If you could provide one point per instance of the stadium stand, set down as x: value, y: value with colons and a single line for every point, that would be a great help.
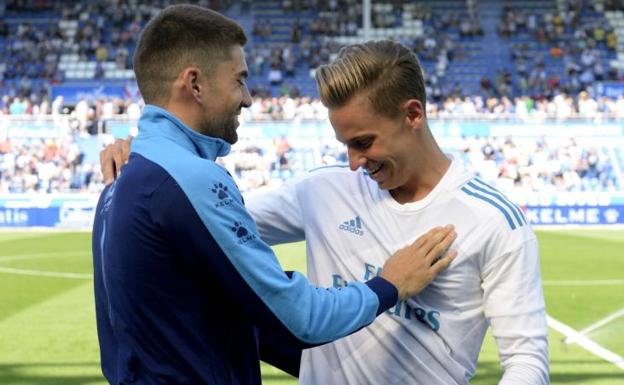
x: 488, y: 48
x: 65, y: 73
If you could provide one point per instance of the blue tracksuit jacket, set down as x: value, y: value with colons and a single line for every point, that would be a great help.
x: 186, y: 291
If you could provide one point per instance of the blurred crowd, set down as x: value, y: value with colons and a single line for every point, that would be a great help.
x: 574, y: 43
x: 91, y: 30
x: 344, y: 17
x: 106, y: 31
x: 98, y: 31
x: 560, y: 107
x: 33, y: 165
x: 531, y: 165
x: 573, y: 38
x: 91, y: 116
x: 311, y: 39
x: 86, y: 117
x: 513, y: 165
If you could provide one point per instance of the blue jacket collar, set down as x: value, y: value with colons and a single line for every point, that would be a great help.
x: 156, y: 121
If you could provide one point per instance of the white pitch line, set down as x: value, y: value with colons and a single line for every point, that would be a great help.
x: 586, y: 343
x: 590, y: 282
x: 38, y: 273
x: 20, y: 257
x: 596, y: 325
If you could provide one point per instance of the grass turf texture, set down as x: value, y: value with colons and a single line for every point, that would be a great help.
x: 47, y: 325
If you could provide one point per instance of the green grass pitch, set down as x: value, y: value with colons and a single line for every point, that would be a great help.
x: 47, y: 324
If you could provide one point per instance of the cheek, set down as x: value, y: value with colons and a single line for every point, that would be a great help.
x: 239, y: 95
x: 397, y: 166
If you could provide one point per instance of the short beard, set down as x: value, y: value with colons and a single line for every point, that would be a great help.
x: 222, y: 129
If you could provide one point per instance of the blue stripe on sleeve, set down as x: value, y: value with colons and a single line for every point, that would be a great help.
x: 500, y: 199
x: 516, y: 208
x: 490, y: 201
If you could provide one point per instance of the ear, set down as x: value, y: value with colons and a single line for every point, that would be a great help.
x: 192, y: 86
x: 414, y: 112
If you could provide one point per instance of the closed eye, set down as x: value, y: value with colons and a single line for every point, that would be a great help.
x: 361, y: 143
x: 241, y: 77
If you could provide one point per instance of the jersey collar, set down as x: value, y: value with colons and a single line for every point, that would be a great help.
x: 156, y: 121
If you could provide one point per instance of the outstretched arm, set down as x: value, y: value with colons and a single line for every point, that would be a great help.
x: 277, y: 214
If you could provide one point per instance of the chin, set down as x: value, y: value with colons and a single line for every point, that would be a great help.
x: 232, y: 139
x: 389, y: 184
x: 384, y: 185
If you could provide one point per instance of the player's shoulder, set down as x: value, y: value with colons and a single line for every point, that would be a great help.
x: 341, y: 175
x: 334, y: 169
x: 335, y: 180
x: 338, y: 173
x: 488, y: 204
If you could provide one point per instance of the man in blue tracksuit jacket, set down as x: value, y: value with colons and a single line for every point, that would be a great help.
x: 186, y: 291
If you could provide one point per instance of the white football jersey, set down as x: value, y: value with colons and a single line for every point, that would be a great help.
x: 352, y: 227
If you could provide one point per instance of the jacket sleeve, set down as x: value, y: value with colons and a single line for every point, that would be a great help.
x: 108, y: 342
x: 274, y: 351
x: 213, y: 227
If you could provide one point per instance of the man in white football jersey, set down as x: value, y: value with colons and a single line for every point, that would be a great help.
x: 399, y: 185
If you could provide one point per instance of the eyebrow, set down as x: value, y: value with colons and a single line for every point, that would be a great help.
x: 243, y: 74
x: 359, y: 138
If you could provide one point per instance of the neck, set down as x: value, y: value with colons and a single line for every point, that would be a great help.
x: 426, y: 174
x: 184, y: 111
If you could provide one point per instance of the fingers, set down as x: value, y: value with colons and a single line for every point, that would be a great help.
x: 443, y: 262
x: 107, y: 165
x: 125, y: 146
x: 432, y: 238
x: 442, y: 244
x: 112, y: 159
x: 119, y: 156
x: 420, y: 242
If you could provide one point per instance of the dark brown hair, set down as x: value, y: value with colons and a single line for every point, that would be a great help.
x: 178, y: 37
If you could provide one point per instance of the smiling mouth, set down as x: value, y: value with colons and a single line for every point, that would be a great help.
x: 375, y: 170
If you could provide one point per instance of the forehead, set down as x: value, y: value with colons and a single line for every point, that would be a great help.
x: 357, y: 108
x: 356, y: 118
x: 236, y: 62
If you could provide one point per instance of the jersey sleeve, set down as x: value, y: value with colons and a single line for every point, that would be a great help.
x: 217, y: 231
x: 514, y: 306
x: 523, y: 353
x: 277, y: 214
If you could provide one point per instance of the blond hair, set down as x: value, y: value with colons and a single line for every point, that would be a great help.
x: 387, y: 70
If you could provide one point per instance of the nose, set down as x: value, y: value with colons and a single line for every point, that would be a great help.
x: 356, y: 158
x: 246, y: 102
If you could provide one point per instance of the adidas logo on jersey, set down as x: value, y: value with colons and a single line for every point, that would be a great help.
x: 353, y: 226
